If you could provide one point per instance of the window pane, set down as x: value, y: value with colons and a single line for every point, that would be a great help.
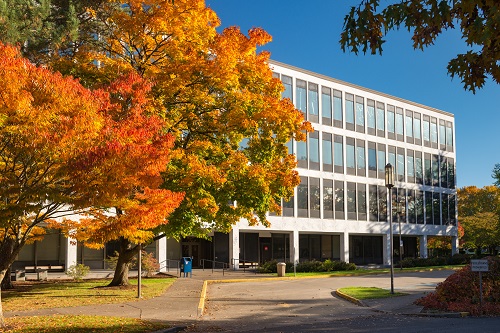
x: 327, y: 151
x: 349, y: 109
x: 434, y: 133
x: 360, y: 158
x: 401, y: 165
x: 313, y: 99
x: 409, y: 126
x: 338, y: 154
x: 410, y: 167
x: 351, y: 198
x: 287, y: 82
x: 449, y: 136
x: 372, y: 159
x: 418, y: 169
x: 417, y: 133
x: 302, y: 196
x: 427, y: 131
x: 381, y: 160
x: 373, y: 202
x: 399, y: 124
x: 301, y: 99
x: 390, y: 122
x: 370, y: 116
x: 328, y: 198
x: 360, y: 114
x: 326, y: 105
x: 337, y: 108
x: 314, y: 199
x: 301, y: 151
x: 339, y: 200
x: 350, y: 157
x: 313, y: 149
x: 380, y: 119
x: 442, y: 134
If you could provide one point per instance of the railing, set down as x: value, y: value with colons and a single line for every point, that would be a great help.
x: 214, y: 264
x: 245, y: 263
x: 171, y: 263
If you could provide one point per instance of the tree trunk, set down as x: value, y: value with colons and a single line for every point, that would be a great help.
x: 7, y: 280
x: 125, y: 256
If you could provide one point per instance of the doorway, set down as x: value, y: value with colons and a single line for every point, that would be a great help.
x: 192, y: 250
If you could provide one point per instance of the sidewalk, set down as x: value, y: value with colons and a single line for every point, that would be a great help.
x: 179, y: 305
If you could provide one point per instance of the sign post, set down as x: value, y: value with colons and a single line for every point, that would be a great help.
x: 479, y: 265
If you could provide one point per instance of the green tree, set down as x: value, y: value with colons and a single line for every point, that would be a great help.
x: 479, y: 215
x: 496, y: 174
x: 367, y: 24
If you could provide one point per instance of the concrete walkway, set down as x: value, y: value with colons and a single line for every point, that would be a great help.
x: 179, y: 305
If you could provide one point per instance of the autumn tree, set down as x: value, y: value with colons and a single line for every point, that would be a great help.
x: 124, y: 170
x: 46, y: 122
x: 215, y: 94
x: 366, y: 26
x: 218, y: 99
x: 479, y: 215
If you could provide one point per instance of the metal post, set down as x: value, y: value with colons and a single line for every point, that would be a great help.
x: 400, y: 240
x: 139, y: 272
x: 392, y: 241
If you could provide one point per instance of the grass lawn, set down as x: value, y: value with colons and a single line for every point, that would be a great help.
x: 368, y: 292
x: 52, y: 294
x: 79, y: 324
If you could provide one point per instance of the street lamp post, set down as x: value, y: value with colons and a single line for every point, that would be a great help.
x: 389, y: 183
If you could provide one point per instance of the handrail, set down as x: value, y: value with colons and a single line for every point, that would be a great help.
x: 177, y: 265
x: 253, y: 264
x: 225, y: 265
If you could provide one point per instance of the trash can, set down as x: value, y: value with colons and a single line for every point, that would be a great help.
x: 281, y: 268
x: 187, y: 266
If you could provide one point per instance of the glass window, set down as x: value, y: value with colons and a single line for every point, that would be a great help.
x: 314, y: 197
x: 418, y: 168
x: 302, y: 151
x: 434, y: 133
x: 326, y: 106
x: 361, y: 200
x: 289, y: 145
x: 337, y: 108
x: 360, y: 112
x: 370, y: 115
x: 327, y: 152
x: 381, y: 160
x: 301, y: 98
x: 288, y: 207
x: 391, y: 123
x: 392, y: 156
x: 416, y: 128
x: 313, y: 106
x: 399, y: 123
x: 442, y: 132
x: 373, y: 202
x: 360, y: 155
x: 351, y: 201
x: 449, y: 134
x: 435, y: 170
x: 382, y: 203
x: 287, y: 83
x: 350, y: 155
x: 372, y: 159
x: 427, y: 170
x: 409, y: 125
x: 339, y: 200
x: 314, y: 151
x: 338, y: 151
x: 436, y: 212
x: 380, y: 117
x: 410, y: 166
x: 349, y: 109
x: 427, y: 130
x: 302, y: 197
x: 328, y: 199
x: 400, y: 168
x: 451, y: 173
x: 419, y: 206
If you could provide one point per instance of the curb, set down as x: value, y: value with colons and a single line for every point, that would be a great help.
x: 349, y: 298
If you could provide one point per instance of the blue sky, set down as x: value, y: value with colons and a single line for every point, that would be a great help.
x: 306, y: 34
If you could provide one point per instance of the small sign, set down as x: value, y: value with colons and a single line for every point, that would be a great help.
x: 479, y: 265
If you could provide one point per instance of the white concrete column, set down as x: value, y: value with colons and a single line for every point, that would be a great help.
x: 161, y: 253
x: 344, y: 247
x: 454, y: 245
x: 294, y: 247
x: 234, y: 248
x: 423, y: 246
x: 71, y: 253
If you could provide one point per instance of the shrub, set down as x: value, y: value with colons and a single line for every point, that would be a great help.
x: 460, y: 292
x: 308, y: 266
x: 149, y: 263
x: 78, y: 272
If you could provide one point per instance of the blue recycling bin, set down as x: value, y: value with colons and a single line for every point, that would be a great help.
x: 187, y: 266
